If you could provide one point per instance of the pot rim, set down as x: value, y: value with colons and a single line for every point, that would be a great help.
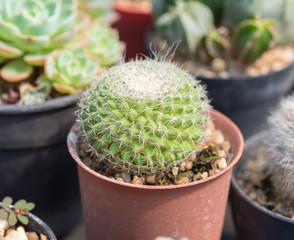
x: 233, y: 128
x: 244, y: 196
x: 49, y: 105
x: 246, y: 78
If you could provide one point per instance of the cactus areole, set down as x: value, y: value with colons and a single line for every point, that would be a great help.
x: 144, y: 115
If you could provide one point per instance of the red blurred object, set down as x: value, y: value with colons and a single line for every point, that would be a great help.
x: 135, y: 18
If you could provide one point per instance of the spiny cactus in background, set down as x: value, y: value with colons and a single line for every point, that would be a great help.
x: 144, y: 115
x: 215, y: 44
x: 16, y: 212
x: 280, y: 142
x: 104, y: 44
x: 30, y: 32
x: 280, y: 11
x: 252, y: 38
x: 70, y: 71
x: 187, y: 21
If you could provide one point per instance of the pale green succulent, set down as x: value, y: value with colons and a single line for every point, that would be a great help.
x: 144, y: 114
x: 31, y: 30
x: 70, y: 71
x: 104, y: 44
x: 31, y: 95
x: 96, y: 8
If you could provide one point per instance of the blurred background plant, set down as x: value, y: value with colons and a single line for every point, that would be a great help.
x: 227, y: 38
x: 40, y: 47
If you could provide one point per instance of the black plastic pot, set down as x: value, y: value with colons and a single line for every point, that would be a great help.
x: 37, y: 225
x: 246, y: 100
x: 253, y: 221
x: 34, y: 161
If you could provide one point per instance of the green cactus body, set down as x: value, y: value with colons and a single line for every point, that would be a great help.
x: 70, y: 71
x: 215, y: 44
x: 253, y: 37
x: 186, y: 21
x: 280, y: 11
x: 280, y: 142
x: 144, y: 115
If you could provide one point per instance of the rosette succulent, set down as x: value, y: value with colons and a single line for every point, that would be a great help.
x: 30, y: 32
x: 96, y: 8
x: 104, y: 44
x: 70, y: 71
x: 144, y: 115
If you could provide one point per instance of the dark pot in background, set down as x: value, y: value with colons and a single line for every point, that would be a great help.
x: 132, y: 26
x: 118, y: 210
x: 37, y: 225
x: 34, y: 161
x: 247, y: 100
x: 253, y: 221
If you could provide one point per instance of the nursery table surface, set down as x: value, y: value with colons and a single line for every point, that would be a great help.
x: 78, y: 233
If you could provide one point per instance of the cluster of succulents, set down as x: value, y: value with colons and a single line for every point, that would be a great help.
x: 253, y: 27
x: 279, y: 143
x: 144, y: 115
x: 39, y: 42
x: 15, y: 212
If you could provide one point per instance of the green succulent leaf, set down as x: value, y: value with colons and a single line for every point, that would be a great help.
x: 29, y: 206
x: 3, y: 214
x: 20, y: 204
x: 8, y: 50
x: 12, y: 220
x: 16, y: 70
x: 23, y: 219
x: 6, y: 202
x: 39, y: 58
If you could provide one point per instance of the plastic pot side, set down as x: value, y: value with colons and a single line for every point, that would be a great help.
x: 117, y: 210
x: 252, y: 221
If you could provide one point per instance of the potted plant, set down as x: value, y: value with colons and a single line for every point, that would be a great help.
x: 44, y: 67
x: 134, y: 19
x: 262, y: 185
x: 150, y: 160
x: 247, y: 66
x: 16, y: 222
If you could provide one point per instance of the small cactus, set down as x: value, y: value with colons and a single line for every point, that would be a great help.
x: 253, y: 37
x: 16, y: 212
x: 280, y: 142
x: 144, y: 115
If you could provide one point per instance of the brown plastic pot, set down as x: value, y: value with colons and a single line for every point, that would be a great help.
x: 117, y: 210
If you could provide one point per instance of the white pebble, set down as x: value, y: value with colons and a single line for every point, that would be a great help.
x: 218, y: 137
x: 222, y: 164
x: 204, y: 175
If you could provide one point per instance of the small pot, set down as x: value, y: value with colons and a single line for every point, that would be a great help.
x: 253, y: 221
x: 37, y: 225
x: 34, y: 161
x: 132, y: 25
x: 118, y: 210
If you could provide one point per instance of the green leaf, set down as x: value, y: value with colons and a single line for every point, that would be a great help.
x: 8, y: 50
x: 31, y: 43
x: 20, y: 204
x: 3, y: 214
x: 29, y: 206
x: 23, y: 219
x: 39, y: 58
x: 12, y: 220
x: 16, y: 70
x: 7, y: 201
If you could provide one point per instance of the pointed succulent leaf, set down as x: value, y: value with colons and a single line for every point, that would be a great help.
x: 39, y: 58
x: 16, y: 70
x: 8, y: 50
x: 20, y: 204
x: 23, y: 219
x: 3, y: 214
x: 12, y: 220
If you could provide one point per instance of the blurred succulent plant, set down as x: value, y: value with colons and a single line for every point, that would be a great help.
x: 280, y: 11
x: 31, y: 30
x: 31, y: 95
x: 70, y: 71
x: 15, y: 212
x: 253, y: 37
x: 104, y: 44
x: 188, y: 21
x: 279, y: 142
x: 96, y: 8
x: 144, y: 115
